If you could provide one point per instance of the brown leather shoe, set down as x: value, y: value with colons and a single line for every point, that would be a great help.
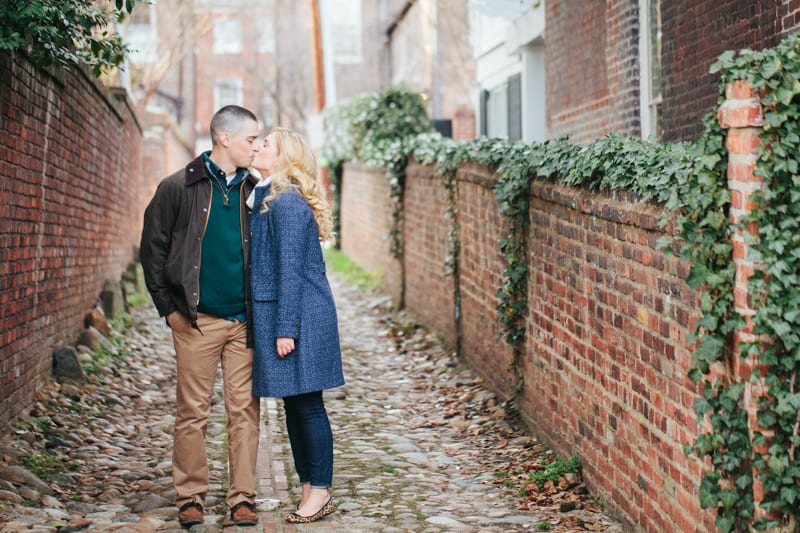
x: 244, y: 514
x: 190, y: 514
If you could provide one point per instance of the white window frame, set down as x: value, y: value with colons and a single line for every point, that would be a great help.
x: 347, y: 28
x: 221, y: 85
x: 227, y: 36
x: 649, y: 98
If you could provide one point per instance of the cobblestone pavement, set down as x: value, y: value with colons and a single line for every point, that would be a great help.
x: 420, y: 446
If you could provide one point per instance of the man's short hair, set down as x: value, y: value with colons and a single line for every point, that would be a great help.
x: 230, y: 119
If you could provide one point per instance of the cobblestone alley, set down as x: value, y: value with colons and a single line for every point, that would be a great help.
x: 420, y: 445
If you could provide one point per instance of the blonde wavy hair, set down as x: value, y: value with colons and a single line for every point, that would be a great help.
x: 296, y: 168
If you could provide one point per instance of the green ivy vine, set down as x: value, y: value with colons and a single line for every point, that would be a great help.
x: 649, y: 170
x: 704, y: 227
x: 375, y: 128
x: 775, y: 75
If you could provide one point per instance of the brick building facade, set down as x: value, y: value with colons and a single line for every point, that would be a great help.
x: 695, y: 34
x: 594, y: 61
x: 237, y: 62
x: 592, y: 79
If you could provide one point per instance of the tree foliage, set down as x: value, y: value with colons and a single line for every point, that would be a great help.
x: 65, y: 33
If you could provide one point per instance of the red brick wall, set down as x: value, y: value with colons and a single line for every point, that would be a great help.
x: 694, y: 35
x: 592, y: 68
x: 481, y: 268
x: 70, y: 213
x: 365, y: 221
x: 429, y: 292
x: 606, y: 357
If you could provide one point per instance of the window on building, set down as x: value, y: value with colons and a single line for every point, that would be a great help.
x: 228, y: 91
x: 346, y: 30
x: 497, y: 112
x: 501, y: 109
x: 227, y: 36
x: 266, y: 37
x: 140, y: 35
x: 650, y: 85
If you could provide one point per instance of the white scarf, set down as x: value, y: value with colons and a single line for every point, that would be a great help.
x: 262, y: 182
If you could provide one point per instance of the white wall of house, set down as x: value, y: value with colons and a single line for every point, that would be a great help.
x: 508, y: 46
x: 534, y: 118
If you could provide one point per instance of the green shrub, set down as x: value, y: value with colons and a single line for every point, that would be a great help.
x: 375, y: 128
x: 360, y: 128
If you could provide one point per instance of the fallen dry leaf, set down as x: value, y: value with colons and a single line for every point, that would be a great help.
x: 593, y: 526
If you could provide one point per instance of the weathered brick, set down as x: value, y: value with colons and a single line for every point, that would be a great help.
x: 742, y: 141
x: 365, y: 223
x: 597, y: 93
x: 740, y: 113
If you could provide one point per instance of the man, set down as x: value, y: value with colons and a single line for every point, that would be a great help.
x: 195, y: 256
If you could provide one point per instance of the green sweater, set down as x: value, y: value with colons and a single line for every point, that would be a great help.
x: 222, y: 258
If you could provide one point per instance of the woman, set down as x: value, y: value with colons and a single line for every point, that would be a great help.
x: 296, y: 352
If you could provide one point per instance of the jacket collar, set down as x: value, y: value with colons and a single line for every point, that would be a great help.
x: 196, y: 171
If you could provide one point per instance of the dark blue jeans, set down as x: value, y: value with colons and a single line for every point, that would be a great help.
x: 311, y: 438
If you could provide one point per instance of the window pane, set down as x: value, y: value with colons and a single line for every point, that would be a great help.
x: 498, y: 112
x: 650, y: 81
x: 345, y: 18
x: 227, y: 92
x: 655, y: 48
x: 266, y: 38
x: 227, y: 36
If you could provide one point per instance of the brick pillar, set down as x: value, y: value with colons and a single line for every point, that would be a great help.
x: 742, y: 116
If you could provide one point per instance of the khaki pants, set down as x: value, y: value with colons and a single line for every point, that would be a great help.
x: 197, y: 358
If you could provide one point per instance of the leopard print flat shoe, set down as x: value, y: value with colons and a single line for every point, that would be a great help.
x: 328, y: 508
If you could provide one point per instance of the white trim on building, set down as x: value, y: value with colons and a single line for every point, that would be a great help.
x: 508, y: 46
x: 650, y: 93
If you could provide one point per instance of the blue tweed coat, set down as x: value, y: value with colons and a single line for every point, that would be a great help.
x: 291, y: 298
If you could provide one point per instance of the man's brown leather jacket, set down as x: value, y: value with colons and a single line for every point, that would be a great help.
x: 172, y: 235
